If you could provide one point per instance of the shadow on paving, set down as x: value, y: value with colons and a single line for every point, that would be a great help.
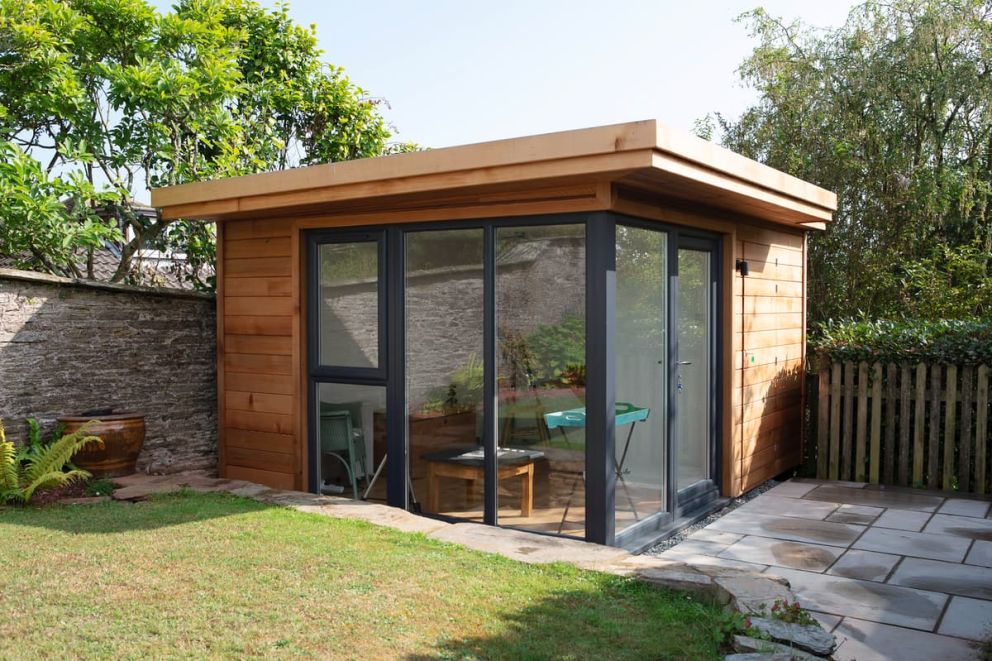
x: 159, y: 511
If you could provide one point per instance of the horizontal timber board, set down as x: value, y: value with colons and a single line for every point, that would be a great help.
x: 771, y: 338
x: 774, y: 254
x: 769, y: 356
x: 278, y: 384
x: 257, y: 266
x: 269, y: 478
x: 259, y: 286
x: 262, y: 460
x: 754, y: 477
x: 259, y: 402
x: 765, y: 407
x: 770, y: 237
x: 258, y: 364
x: 253, y: 421
x: 260, y: 306
x: 761, y: 373
x: 787, y: 382
x: 784, y: 436
x: 760, y: 287
x: 271, y: 345
x: 275, y: 246
x: 767, y: 322
x: 256, y: 325
x: 790, y: 417
x: 768, y: 304
x: 260, y: 440
x: 235, y: 230
x: 771, y: 271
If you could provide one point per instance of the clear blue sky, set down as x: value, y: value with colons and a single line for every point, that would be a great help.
x: 460, y: 71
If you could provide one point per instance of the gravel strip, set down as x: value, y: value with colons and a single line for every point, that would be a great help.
x: 682, y: 534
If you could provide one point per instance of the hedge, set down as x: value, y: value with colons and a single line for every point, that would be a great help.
x: 947, y: 341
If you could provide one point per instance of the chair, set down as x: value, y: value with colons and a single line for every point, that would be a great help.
x: 340, y: 439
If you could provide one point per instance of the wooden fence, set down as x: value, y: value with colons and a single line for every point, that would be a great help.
x: 916, y: 425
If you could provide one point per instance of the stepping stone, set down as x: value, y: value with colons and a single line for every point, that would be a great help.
x: 864, y: 565
x: 960, y: 526
x: 964, y: 507
x: 527, y: 547
x: 768, y: 504
x: 866, y: 641
x: 980, y: 554
x: 790, y: 489
x: 875, y: 498
x: 916, y: 544
x: 879, y: 602
x: 789, y: 528
x: 902, y: 520
x: 967, y: 618
x: 809, y: 638
x: 861, y: 515
x: 783, y: 553
x: 965, y: 580
x: 755, y: 648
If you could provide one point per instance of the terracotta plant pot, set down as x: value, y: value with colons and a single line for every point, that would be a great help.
x: 122, y: 434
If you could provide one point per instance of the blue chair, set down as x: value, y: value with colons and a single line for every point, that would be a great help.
x: 339, y: 438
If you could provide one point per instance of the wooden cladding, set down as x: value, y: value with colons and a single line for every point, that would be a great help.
x: 258, y: 368
x: 913, y: 425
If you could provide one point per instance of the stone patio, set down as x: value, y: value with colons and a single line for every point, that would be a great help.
x: 893, y: 573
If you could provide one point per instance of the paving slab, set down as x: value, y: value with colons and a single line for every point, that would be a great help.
x: 864, y: 565
x: 701, y: 547
x: 980, y: 554
x: 903, y: 520
x: 528, y: 547
x: 675, y: 554
x: 870, y: 641
x: 875, y: 498
x: 782, y: 553
x: 960, y: 526
x: 878, y: 602
x: 804, y: 509
x: 965, y: 507
x: 950, y: 577
x: 710, y: 535
x: 835, y: 483
x: 916, y: 544
x: 790, y: 489
x: 789, y: 528
x: 826, y: 620
x: 861, y: 515
x: 967, y: 618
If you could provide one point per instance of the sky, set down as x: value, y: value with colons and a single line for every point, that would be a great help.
x: 462, y: 71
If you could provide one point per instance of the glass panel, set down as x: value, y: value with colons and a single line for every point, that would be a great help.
x: 540, y: 315
x: 444, y: 322
x: 641, y: 373
x: 349, y: 304
x: 694, y: 328
x: 351, y: 439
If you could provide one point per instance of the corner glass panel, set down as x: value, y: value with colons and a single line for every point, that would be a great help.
x: 694, y: 369
x: 444, y: 349
x: 349, y: 293
x: 541, y: 336
x: 351, y: 440
x: 641, y: 355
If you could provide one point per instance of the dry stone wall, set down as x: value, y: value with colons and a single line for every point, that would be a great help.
x: 67, y: 346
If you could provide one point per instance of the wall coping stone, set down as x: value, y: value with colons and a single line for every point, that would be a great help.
x: 48, y: 279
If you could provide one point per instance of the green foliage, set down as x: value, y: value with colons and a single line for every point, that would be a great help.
x: 941, y: 341
x: 23, y: 471
x: 791, y: 612
x: 101, y: 487
x: 893, y: 112
x: 953, y: 283
x: 114, y: 93
x: 463, y: 393
x: 559, y: 350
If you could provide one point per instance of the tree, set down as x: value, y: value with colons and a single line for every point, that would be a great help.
x: 120, y: 96
x: 893, y: 112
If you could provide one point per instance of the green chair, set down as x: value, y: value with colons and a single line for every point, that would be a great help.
x: 340, y: 439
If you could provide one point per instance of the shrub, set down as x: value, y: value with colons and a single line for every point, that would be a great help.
x: 944, y: 341
x: 25, y: 470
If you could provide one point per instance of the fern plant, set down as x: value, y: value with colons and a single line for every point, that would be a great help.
x: 25, y: 470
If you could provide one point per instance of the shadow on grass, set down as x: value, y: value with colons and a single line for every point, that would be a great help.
x: 159, y: 511
x: 622, y: 620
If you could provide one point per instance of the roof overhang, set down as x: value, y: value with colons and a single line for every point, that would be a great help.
x: 644, y: 156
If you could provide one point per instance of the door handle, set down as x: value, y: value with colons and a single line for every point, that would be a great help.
x: 684, y: 362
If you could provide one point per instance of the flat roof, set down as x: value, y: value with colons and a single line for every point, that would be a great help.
x: 644, y: 156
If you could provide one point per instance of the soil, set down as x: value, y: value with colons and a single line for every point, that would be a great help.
x: 50, y: 496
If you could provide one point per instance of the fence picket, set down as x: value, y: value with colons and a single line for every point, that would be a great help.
x: 862, y: 425
x: 834, y: 420
x: 981, y: 428
x: 964, y: 447
x: 823, y: 423
x: 933, y: 447
x: 921, y: 395
x: 950, y: 413
x: 888, y: 470
x: 875, y: 452
x: 847, y: 436
x: 905, y: 393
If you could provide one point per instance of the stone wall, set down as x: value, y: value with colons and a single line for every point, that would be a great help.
x: 67, y: 346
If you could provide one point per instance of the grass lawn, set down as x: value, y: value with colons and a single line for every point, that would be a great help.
x: 211, y: 575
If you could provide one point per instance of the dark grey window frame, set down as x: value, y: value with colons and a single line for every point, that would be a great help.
x: 600, y: 250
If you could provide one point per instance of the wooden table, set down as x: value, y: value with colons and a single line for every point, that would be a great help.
x: 466, y: 463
